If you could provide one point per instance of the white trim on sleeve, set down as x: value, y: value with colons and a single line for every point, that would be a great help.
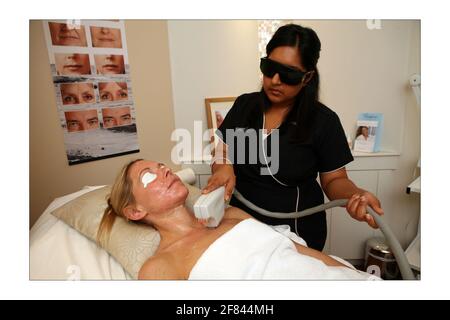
x: 332, y: 170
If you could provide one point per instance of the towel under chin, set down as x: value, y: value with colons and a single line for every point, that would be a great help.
x: 252, y: 250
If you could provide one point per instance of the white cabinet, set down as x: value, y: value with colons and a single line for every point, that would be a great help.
x: 346, y: 236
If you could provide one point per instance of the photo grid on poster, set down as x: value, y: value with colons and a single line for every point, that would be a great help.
x: 94, y: 96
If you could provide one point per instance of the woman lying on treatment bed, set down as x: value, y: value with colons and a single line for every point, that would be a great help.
x: 239, y: 248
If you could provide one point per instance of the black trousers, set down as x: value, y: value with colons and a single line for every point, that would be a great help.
x: 313, y: 228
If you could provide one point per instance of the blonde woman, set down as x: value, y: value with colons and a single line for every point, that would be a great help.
x: 190, y: 250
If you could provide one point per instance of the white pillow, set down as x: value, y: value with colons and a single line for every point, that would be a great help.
x: 131, y: 244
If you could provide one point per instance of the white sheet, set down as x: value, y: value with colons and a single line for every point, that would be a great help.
x: 253, y: 250
x: 59, y: 252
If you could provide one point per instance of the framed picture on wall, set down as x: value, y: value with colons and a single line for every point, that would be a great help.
x: 216, y: 111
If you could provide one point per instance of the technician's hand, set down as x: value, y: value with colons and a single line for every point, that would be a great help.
x: 357, y: 207
x: 224, y: 176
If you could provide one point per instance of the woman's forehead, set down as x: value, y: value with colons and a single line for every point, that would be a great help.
x: 287, y: 55
x: 140, y: 165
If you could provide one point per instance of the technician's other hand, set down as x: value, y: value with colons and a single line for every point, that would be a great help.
x: 357, y: 207
x: 224, y: 176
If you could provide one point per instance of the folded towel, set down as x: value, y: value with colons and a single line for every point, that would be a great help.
x: 253, y: 250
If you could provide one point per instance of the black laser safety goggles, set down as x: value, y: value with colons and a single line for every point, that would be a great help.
x: 288, y: 75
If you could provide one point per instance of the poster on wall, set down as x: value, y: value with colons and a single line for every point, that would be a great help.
x: 94, y: 96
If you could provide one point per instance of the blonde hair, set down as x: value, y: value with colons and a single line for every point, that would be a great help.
x: 121, y: 196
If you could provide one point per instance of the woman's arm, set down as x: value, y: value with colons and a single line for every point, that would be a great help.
x: 337, y: 185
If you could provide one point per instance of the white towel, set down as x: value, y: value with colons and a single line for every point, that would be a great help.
x: 253, y: 250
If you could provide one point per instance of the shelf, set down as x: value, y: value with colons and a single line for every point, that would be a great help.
x: 375, y: 154
x: 385, y: 160
x: 207, y: 158
x: 196, y: 160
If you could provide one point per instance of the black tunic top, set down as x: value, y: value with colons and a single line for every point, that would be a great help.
x: 299, y: 164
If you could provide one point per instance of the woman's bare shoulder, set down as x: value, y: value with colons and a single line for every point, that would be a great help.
x: 159, y: 267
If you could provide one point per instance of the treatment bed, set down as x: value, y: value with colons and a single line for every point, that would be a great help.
x: 59, y: 252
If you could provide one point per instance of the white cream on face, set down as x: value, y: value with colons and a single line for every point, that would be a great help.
x: 147, y: 178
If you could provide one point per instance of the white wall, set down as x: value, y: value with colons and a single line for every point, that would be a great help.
x: 408, y: 206
x: 210, y: 59
x: 365, y: 70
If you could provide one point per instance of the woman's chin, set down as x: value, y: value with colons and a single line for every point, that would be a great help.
x: 179, y: 192
x: 275, y: 98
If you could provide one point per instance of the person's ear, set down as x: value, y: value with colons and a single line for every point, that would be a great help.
x: 134, y: 213
x: 308, y: 76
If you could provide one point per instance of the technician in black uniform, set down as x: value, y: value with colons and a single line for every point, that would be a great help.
x: 311, y: 142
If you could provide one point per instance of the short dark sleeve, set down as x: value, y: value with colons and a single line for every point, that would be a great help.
x: 333, y: 149
x: 233, y: 119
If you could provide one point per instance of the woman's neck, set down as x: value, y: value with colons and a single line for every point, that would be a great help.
x: 175, y: 224
x: 275, y: 115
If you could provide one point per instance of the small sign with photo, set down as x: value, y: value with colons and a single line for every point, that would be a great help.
x: 368, y: 132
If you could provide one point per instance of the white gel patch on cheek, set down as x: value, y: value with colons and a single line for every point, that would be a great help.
x: 147, y: 178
